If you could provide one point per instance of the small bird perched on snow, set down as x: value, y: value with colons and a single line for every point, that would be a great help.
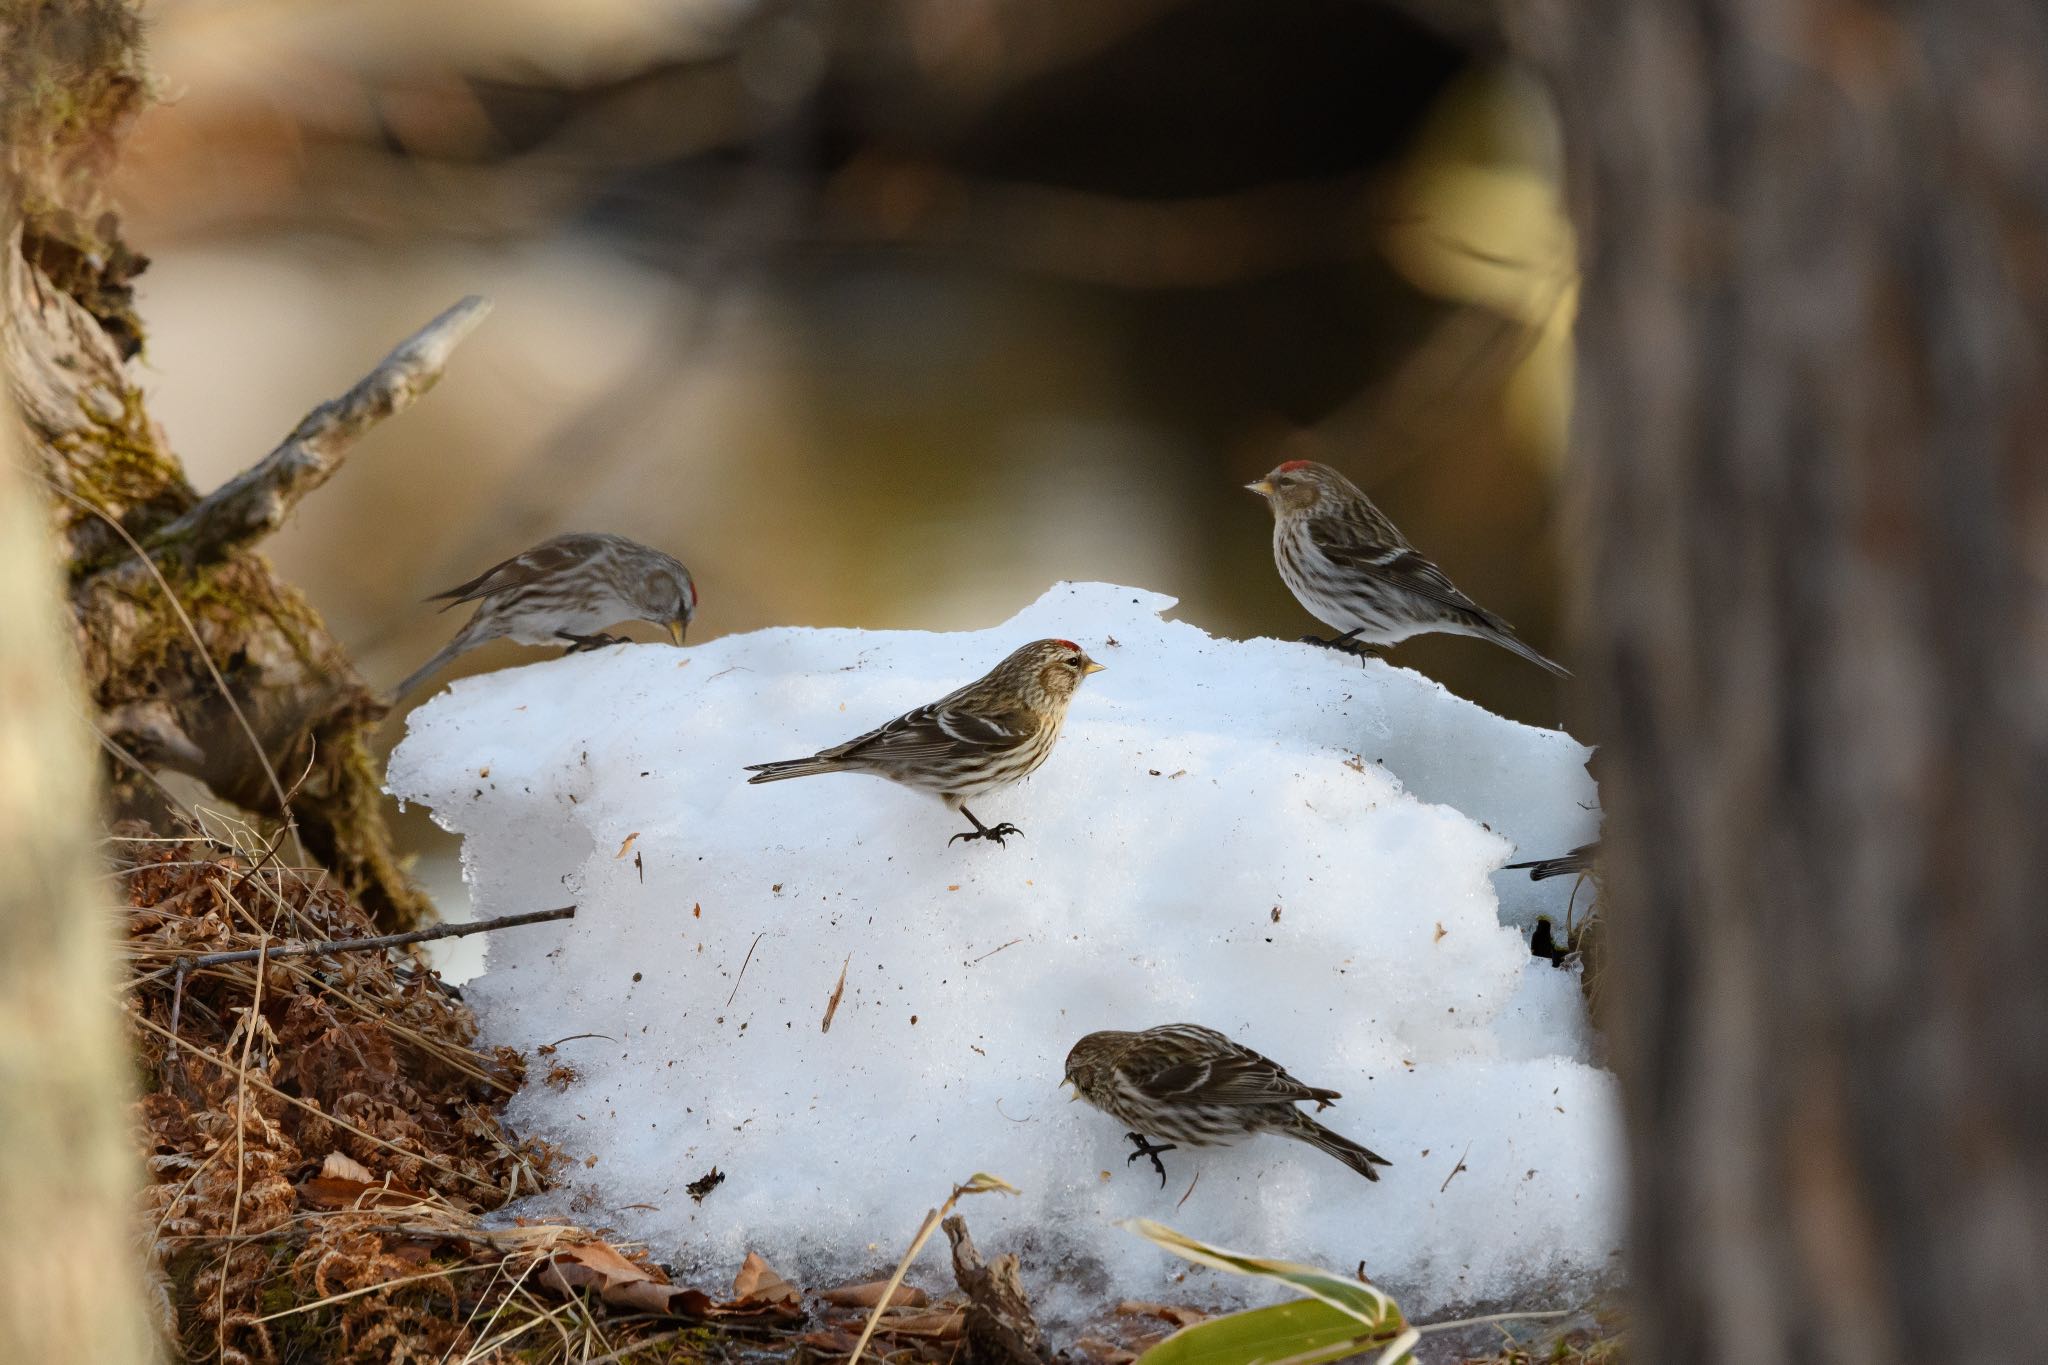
x: 1345, y: 562
x: 1575, y: 863
x: 564, y: 591
x: 968, y: 743
x: 1193, y: 1085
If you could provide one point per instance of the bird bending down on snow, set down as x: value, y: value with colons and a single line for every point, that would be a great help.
x: 1193, y: 1085
x: 564, y: 591
x: 1577, y: 862
x: 985, y: 736
x: 1345, y: 562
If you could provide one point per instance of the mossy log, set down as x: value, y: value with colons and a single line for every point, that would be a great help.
x: 197, y: 658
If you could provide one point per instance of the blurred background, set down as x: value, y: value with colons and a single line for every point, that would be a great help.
x: 882, y: 313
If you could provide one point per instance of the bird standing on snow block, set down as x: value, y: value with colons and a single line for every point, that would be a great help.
x: 566, y: 590
x: 985, y: 736
x: 1345, y: 562
x: 1193, y: 1085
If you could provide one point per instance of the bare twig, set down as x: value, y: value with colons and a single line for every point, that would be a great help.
x: 255, y: 502
x: 743, y: 966
x: 251, y: 1021
x: 1455, y: 1169
x: 635, y: 1347
x: 178, y: 1000
x: 574, y: 1036
x: 351, y: 945
x: 997, y: 949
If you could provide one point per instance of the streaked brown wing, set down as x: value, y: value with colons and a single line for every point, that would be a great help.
x: 1236, y: 1075
x: 547, y: 558
x: 937, y: 730
x: 1398, y: 566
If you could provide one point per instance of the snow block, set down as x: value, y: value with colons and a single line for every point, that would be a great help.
x: 1231, y: 833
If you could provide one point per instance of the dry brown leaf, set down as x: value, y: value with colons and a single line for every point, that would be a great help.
x: 1104, y: 1352
x: 322, y: 1192
x: 626, y: 847
x: 328, y: 1192
x: 943, y: 1323
x: 1173, y: 1313
x: 869, y: 1294
x: 645, y: 1296
x: 620, y: 1281
x: 831, y: 1340
x: 757, y: 1282
x: 606, y: 1263
x: 832, y: 1005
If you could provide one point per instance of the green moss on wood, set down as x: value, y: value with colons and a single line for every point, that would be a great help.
x: 72, y: 81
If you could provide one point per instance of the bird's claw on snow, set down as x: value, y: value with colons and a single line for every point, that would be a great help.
x: 1146, y: 1148
x: 579, y: 644
x: 995, y: 832
x: 1344, y: 644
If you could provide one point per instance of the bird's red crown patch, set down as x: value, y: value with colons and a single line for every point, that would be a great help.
x: 1292, y: 465
x: 1066, y: 644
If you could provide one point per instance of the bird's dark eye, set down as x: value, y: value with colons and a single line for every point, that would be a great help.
x: 1073, y: 663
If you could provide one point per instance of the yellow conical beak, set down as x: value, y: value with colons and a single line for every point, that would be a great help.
x: 1261, y: 487
x: 1092, y: 667
x: 675, y: 631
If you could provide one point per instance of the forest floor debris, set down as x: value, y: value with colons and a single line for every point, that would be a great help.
x: 324, y: 1146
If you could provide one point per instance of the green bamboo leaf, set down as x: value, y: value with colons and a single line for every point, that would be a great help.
x: 1299, y: 1332
x: 1360, y: 1301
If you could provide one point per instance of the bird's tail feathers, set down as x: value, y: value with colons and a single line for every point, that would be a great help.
x: 1337, y: 1145
x: 1547, y: 867
x: 787, y: 768
x: 1497, y: 631
x: 430, y: 667
x: 465, y: 591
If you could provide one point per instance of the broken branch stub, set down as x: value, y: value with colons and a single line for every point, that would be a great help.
x: 196, y: 657
x: 256, y: 502
x: 1001, y: 1329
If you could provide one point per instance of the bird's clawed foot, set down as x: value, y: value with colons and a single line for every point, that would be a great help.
x: 995, y: 832
x: 1147, y: 1148
x: 1347, y: 643
x: 981, y: 831
x: 579, y: 644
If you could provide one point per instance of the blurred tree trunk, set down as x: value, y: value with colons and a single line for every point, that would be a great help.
x: 1814, y: 568
x: 70, y: 1285
x: 199, y: 659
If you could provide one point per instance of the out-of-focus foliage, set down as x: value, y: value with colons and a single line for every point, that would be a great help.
x: 882, y: 313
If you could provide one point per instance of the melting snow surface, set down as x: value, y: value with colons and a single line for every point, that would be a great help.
x: 1231, y: 833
